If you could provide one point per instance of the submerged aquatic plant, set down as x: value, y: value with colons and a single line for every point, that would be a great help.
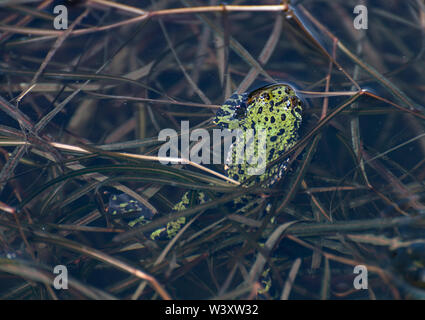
x: 81, y: 110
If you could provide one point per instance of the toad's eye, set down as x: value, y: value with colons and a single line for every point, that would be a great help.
x: 240, y: 111
x: 265, y: 96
